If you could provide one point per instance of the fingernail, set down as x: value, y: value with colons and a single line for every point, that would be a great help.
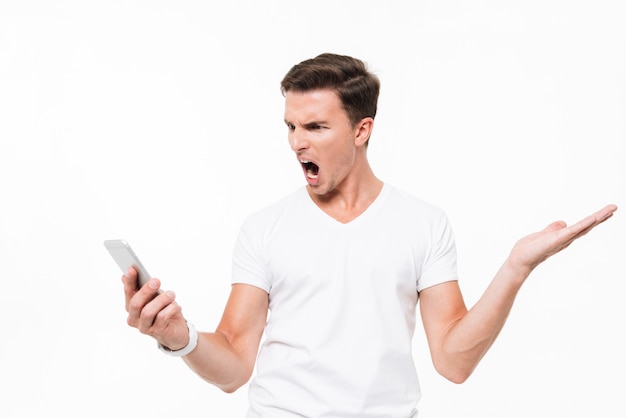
x: 153, y: 284
x: 171, y: 294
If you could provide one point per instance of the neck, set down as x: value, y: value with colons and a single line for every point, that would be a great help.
x: 350, y: 199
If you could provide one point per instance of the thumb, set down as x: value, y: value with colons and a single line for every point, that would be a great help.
x: 555, y: 226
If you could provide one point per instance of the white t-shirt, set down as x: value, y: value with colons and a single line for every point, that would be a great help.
x: 342, y: 301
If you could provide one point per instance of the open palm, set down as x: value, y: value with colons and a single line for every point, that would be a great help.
x: 535, y: 248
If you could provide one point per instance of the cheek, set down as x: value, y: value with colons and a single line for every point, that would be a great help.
x: 344, y: 155
x: 340, y: 153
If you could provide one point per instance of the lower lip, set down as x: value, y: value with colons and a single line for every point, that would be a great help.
x: 312, y: 182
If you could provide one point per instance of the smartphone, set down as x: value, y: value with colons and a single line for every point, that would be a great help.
x: 126, y: 258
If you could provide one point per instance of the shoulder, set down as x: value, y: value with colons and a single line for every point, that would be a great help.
x: 270, y: 214
x: 400, y: 200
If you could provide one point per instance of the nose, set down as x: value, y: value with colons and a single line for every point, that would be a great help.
x: 297, y: 140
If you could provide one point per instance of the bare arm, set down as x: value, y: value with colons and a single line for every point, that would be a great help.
x: 236, y: 340
x: 225, y: 357
x: 458, y: 338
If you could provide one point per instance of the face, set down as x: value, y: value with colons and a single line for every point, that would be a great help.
x: 322, y: 137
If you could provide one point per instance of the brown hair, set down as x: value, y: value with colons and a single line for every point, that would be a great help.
x: 349, y: 77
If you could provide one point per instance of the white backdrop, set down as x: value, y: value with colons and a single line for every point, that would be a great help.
x: 161, y: 123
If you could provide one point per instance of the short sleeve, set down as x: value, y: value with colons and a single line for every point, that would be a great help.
x: 440, y: 264
x: 248, y: 266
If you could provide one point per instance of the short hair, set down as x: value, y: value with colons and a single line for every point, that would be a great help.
x: 355, y: 85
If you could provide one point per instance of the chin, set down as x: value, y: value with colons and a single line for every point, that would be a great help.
x: 320, y: 190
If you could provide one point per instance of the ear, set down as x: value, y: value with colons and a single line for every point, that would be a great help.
x: 363, y: 131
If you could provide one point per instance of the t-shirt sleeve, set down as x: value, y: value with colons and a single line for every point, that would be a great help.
x: 247, y: 263
x: 440, y: 264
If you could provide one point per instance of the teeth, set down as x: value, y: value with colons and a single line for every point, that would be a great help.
x: 310, y: 168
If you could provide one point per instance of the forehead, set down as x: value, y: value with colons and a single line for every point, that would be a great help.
x: 313, y: 105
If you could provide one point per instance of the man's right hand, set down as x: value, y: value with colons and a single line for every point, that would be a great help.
x: 153, y: 313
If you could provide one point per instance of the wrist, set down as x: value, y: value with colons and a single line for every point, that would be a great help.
x: 191, y: 345
x: 516, y: 272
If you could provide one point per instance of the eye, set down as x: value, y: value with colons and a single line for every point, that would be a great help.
x: 290, y: 126
x: 314, y: 126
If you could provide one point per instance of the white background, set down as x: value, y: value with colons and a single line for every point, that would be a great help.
x: 161, y: 123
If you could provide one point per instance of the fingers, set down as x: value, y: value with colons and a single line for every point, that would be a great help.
x: 587, y: 224
x: 533, y: 249
x: 147, y: 305
x: 155, y: 316
x: 601, y: 215
x: 139, y: 299
x: 154, y: 312
x: 563, y: 236
x: 605, y: 213
x: 130, y: 285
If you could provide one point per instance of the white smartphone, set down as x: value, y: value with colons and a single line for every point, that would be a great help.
x: 126, y: 258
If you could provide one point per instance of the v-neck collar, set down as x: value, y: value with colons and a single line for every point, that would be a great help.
x: 367, y: 213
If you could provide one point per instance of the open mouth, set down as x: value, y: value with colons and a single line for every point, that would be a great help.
x: 311, y: 169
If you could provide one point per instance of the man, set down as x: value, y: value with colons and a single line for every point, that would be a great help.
x: 341, y: 264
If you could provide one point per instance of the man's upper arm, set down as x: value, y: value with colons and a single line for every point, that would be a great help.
x: 244, y: 320
x: 441, y: 306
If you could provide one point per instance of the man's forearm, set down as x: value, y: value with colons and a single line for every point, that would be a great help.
x: 470, y: 337
x: 217, y: 362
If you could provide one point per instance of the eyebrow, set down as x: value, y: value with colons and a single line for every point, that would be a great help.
x: 309, y: 124
x: 314, y: 123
